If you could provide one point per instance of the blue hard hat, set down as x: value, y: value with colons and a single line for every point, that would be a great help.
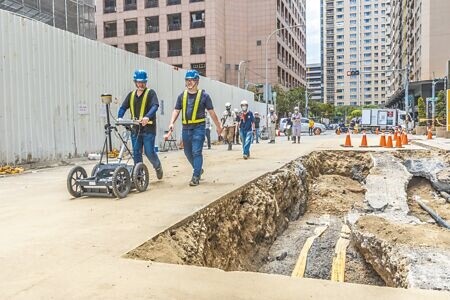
x: 192, y: 74
x: 140, y: 76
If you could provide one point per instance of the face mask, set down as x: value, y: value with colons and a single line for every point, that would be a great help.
x: 244, y: 108
x: 296, y: 111
x: 228, y: 108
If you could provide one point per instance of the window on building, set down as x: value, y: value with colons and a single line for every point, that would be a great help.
x: 110, y: 6
x: 174, y: 47
x: 198, y: 45
x: 198, y: 19
x: 151, y: 3
x: 129, y: 5
x: 130, y: 26
x: 192, y: 1
x: 174, y: 22
x: 200, y: 67
x: 110, y: 29
x: 133, y: 47
x: 152, y: 49
x: 173, y: 2
x: 152, y: 24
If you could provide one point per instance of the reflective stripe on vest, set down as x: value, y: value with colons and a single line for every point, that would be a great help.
x: 193, y: 119
x: 143, y: 104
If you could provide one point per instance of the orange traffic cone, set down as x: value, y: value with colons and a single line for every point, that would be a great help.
x: 364, y: 140
x: 389, y: 142
x: 398, y: 142
x: 430, y: 134
x: 395, y: 135
x: 348, y: 140
x: 383, y: 140
x: 405, y: 138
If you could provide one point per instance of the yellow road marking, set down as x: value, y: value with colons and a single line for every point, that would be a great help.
x: 300, y: 266
x: 338, y: 268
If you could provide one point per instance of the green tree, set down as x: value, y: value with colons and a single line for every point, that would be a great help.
x: 356, y: 113
x: 441, y: 109
x: 421, y: 111
x: 287, y: 100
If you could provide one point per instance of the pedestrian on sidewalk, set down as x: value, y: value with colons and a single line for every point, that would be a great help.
x: 296, y: 125
x: 228, y: 125
x: 208, y: 128
x: 289, y: 126
x: 257, y: 121
x: 236, y: 124
x: 193, y: 103
x: 272, y: 116
x: 246, y: 127
x: 143, y: 104
x: 311, y: 126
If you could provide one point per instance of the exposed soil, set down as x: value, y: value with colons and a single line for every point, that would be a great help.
x: 413, y: 235
x: 422, y: 188
x: 335, y: 194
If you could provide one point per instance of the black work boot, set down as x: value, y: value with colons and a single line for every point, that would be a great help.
x: 159, y: 173
x: 194, y: 181
x: 230, y: 146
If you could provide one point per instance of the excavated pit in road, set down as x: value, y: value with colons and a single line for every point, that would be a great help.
x: 262, y: 226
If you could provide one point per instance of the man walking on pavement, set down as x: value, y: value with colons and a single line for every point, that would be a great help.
x: 193, y: 103
x: 236, y: 123
x: 246, y: 126
x: 296, y: 126
x: 257, y: 121
x: 228, y: 125
x: 272, y: 124
x: 143, y: 104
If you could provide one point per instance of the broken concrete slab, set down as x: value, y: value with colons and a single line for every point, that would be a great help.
x: 407, y: 256
x: 434, y: 169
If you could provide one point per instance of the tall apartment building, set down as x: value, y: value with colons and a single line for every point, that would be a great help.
x: 354, y: 39
x: 76, y: 16
x: 214, y: 37
x: 314, y: 81
x: 419, y: 32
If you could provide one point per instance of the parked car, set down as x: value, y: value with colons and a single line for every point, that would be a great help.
x: 318, y: 127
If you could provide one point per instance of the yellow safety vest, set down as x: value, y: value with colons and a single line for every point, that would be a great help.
x: 193, y: 119
x: 143, y: 104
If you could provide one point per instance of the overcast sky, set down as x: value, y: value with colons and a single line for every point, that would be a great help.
x: 312, y: 31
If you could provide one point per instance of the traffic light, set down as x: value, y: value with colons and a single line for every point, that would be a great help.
x: 353, y: 73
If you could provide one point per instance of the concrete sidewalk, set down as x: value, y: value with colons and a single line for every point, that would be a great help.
x: 55, y: 247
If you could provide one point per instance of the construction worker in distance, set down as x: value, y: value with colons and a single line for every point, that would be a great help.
x: 143, y: 104
x: 288, y: 130
x: 246, y: 128
x: 257, y: 122
x: 192, y: 104
x: 272, y: 116
x: 296, y: 118
x: 228, y: 125
x: 311, y: 126
x: 236, y: 123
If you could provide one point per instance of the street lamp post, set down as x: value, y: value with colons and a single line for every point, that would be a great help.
x: 239, y: 72
x: 266, y: 87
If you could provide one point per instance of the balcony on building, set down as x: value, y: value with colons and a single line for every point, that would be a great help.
x: 151, y: 3
x: 152, y: 49
x: 198, y: 45
x: 173, y: 2
x: 152, y: 24
x: 110, y: 29
x: 129, y: 5
x: 197, y: 19
x: 174, y: 48
x: 174, y: 22
x: 130, y: 27
x: 110, y: 6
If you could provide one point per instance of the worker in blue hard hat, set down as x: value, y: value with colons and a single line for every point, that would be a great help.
x: 192, y: 104
x: 143, y: 104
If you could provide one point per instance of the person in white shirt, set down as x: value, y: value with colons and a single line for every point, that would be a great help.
x: 296, y: 125
x: 272, y: 116
x: 229, y: 125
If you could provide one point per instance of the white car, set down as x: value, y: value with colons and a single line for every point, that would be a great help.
x: 318, y: 127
